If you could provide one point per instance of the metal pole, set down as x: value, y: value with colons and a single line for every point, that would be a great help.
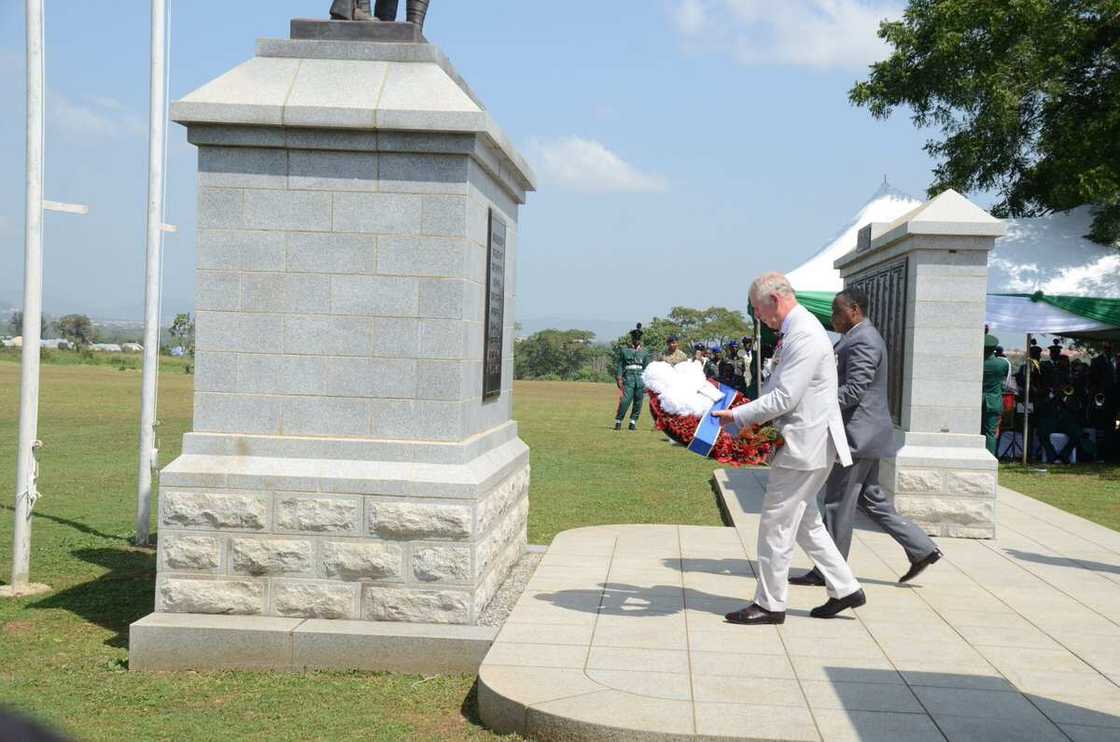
x: 157, y: 106
x: 26, y: 467
x: 1027, y: 404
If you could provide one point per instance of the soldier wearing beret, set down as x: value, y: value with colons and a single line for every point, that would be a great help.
x: 630, y: 362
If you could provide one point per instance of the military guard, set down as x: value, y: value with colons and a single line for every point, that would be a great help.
x: 673, y: 353
x: 996, y: 370
x: 628, y: 372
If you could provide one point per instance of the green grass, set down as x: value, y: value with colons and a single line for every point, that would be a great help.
x: 63, y: 656
x: 118, y: 361
x: 1089, y: 490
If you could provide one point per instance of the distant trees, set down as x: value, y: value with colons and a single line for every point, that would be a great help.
x: 182, y: 332
x: 15, y: 324
x: 78, y: 329
x: 553, y: 354
x: 1026, y: 95
x: 573, y: 355
x: 712, y: 325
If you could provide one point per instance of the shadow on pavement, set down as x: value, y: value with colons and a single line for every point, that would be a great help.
x: 959, y: 706
x: 1059, y: 561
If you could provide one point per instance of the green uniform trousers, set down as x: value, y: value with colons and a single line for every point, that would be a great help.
x: 633, y: 393
x: 990, y: 415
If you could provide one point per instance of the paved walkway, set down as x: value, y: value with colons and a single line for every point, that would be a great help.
x: 621, y: 635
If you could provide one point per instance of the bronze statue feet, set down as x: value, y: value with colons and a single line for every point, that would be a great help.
x: 351, y: 10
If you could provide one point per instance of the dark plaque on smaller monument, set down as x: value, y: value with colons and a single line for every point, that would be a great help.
x: 495, y: 308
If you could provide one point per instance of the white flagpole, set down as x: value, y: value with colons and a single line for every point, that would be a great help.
x: 26, y: 466
x: 149, y: 455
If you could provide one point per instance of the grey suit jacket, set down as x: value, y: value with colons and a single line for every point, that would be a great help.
x: 861, y: 367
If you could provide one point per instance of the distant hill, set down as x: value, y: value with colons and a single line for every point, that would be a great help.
x: 606, y: 331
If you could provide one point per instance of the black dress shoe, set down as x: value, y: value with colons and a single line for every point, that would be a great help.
x: 812, y: 578
x: 835, y: 605
x: 754, y: 615
x: 920, y: 566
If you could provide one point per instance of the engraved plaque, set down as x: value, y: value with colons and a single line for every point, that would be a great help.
x: 885, y: 287
x: 495, y: 307
x: 863, y: 240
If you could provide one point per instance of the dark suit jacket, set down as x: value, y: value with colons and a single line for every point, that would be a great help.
x: 861, y: 367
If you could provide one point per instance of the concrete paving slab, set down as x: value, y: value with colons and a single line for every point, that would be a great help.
x: 754, y: 722
x: 1011, y: 639
x: 869, y: 726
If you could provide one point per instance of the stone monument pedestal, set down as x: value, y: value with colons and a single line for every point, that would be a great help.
x: 353, y: 477
x: 926, y: 277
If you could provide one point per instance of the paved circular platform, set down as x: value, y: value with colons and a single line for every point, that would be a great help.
x: 620, y: 635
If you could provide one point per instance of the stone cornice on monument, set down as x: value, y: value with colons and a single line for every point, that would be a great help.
x: 947, y: 214
x: 354, y: 86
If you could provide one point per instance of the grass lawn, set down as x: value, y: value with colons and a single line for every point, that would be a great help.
x: 63, y: 656
x: 1089, y: 490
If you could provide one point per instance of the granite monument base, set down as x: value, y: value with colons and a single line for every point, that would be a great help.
x: 312, y: 29
x: 945, y: 483
x: 163, y: 642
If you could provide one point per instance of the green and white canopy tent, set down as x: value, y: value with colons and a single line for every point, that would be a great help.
x: 1044, y: 276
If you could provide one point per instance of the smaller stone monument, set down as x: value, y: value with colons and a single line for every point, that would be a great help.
x: 926, y: 278
x: 353, y: 491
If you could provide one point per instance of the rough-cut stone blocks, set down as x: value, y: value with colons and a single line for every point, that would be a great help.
x: 233, y: 597
x: 441, y: 563
x: 227, y: 512
x: 416, y: 606
x: 406, y: 521
x: 258, y: 556
x: 341, y: 515
x: 971, y: 484
x: 314, y: 599
x: 356, y: 561
x: 191, y: 553
x: 954, y: 517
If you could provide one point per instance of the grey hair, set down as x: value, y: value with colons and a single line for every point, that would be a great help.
x: 770, y: 283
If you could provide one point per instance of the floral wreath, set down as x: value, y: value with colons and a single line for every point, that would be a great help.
x: 754, y: 446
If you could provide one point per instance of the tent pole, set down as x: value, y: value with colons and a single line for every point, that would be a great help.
x: 1027, y: 404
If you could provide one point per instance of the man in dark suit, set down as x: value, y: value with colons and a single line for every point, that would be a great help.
x: 861, y: 365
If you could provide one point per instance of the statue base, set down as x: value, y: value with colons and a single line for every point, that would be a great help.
x: 312, y: 29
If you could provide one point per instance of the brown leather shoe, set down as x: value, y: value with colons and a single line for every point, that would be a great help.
x: 755, y: 614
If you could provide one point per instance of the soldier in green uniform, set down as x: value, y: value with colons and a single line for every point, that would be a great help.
x: 673, y: 353
x: 628, y: 372
x: 996, y: 370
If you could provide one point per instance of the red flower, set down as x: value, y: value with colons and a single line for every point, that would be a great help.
x: 751, y: 448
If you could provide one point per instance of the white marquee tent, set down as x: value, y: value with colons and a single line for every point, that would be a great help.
x: 1047, y: 254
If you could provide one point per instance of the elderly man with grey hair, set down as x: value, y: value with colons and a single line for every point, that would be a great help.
x: 800, y: 397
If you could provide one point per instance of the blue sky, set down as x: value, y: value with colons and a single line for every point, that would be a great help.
x: 682, y: 145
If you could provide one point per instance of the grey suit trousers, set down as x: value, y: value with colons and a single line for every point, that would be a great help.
x: 858, y: 486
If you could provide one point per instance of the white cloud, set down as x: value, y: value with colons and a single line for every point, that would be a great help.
x: 586, y: 165
x: 690, y: 16
x: 813, y: 33
x: 104, y: 117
